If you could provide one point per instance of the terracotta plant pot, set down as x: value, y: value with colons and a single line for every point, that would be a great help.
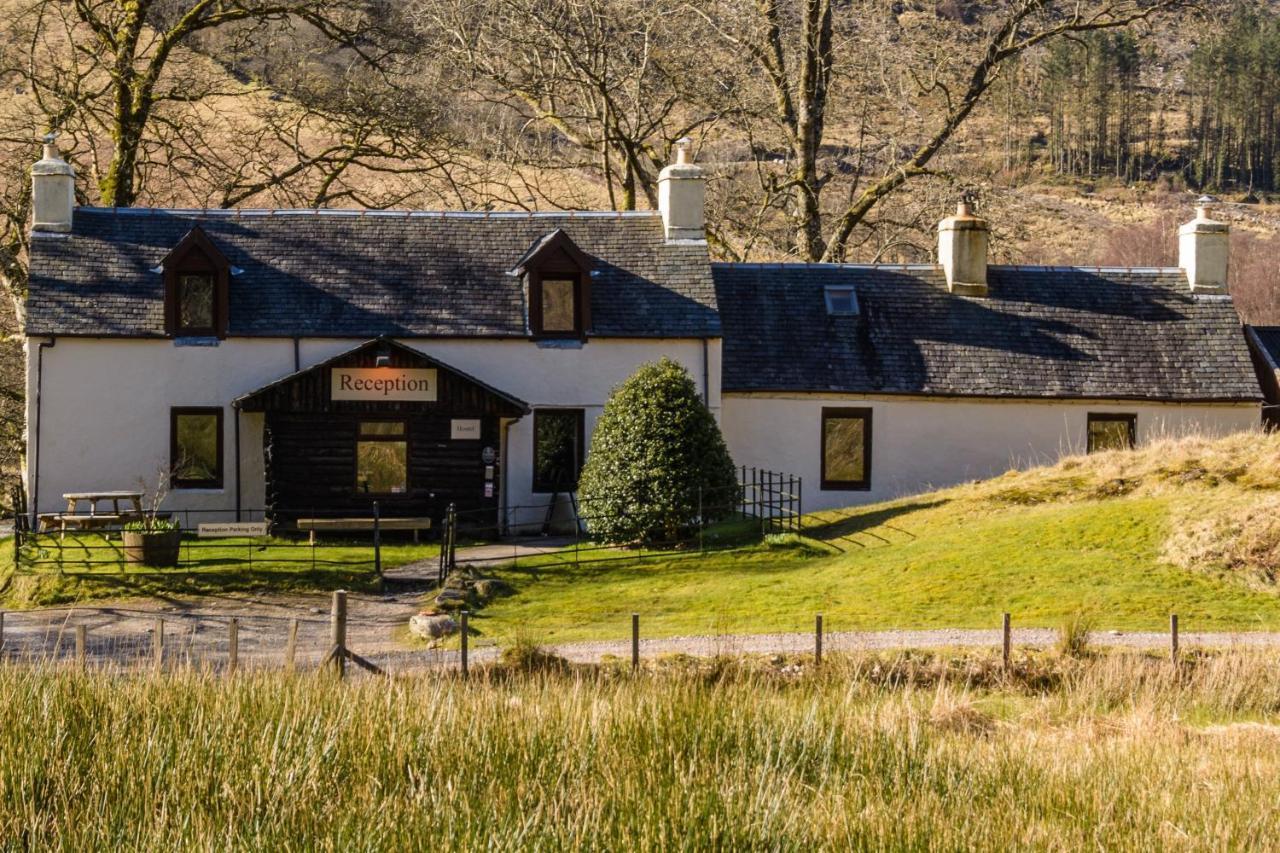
x: 158, y: 550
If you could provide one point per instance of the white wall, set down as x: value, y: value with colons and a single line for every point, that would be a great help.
x: 921, y: 443
x: 105, y: 402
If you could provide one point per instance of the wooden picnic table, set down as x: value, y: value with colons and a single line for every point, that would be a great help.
x: 94, y: 520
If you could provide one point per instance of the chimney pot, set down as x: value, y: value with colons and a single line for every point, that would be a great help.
x: 1203, y: 249
x: 53, y: 191
x: 682, y: 195
x: 962, y: 251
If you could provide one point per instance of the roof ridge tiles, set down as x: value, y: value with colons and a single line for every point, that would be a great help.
x: 238, y: 212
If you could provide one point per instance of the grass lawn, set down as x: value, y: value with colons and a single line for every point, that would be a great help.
x: 934, y: 563
x: 91, y: 565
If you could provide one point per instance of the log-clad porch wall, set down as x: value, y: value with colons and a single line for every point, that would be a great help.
x: 310, y: 441
x: 311, y: 466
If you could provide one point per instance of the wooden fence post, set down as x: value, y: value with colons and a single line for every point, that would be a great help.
x: 1173, y: 637
x: 233, y: 644
x: 157, y: 643
x: 291, y: 648
x: 1007, y: 639
x: 463, y: 629
x: 81, y: 651
x: 635, y: 641
x: 17, y: 533
x: 338, y: 631
x: 817, y: 640
x: 377, y: 541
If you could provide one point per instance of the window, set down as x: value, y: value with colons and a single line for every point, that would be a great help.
x: 559, y: 312
x: 382, y: 458
x: 846, y: 449
x: 841, y: 301
x: 557, y: 449
x: 1112, y: 432
x: 195, y: 448
x: 195, y: 304
x: 196, y: 289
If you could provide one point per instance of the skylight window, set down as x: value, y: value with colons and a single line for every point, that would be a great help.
x: 842, y: 302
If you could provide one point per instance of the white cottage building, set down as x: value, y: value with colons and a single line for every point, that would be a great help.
x: 318, y: 360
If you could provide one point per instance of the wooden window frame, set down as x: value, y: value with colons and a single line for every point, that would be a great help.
x: 829, y: 485
x: 196, y: 254
x: 408, y: 456
x: 1131, y: 419
x: 177, y: 482
x: 541, y: 488
x: 581, y: 295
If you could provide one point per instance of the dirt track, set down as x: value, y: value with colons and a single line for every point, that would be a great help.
x: 197, y: 631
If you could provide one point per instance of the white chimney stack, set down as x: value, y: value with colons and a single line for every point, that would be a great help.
x: 53, y: 191
x: 962, y: 251
x: 681, y: 195
x: 1203, y: 247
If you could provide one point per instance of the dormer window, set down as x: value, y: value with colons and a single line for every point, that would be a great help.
x: 195, y: 277
x: 842, y: 301
x: 558, y: 277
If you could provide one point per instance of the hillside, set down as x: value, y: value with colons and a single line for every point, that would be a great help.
x: 1185, y: 526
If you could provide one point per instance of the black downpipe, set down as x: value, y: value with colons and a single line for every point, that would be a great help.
x: 35, y: 442
x: 706, y: 375
x: 235, y: 431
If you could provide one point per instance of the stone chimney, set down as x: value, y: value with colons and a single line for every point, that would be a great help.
x: 681, y: 195
x: 1203, y: 246
x: 962, y: 251
x: 53, y: 191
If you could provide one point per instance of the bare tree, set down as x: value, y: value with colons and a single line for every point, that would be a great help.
x: 595, y: 84
x: 814, y: 56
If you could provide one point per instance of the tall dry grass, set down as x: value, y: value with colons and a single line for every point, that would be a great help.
x: 908, y: 751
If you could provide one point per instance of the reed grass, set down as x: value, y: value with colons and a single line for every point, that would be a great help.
x: 1120, y: 751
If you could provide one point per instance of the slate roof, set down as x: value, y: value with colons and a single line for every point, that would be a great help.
x: 365, y: 274
x: 1041, y: 332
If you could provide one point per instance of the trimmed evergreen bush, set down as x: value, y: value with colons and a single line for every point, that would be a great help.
x: 655, y: 451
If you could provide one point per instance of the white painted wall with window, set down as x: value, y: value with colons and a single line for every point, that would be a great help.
x: 106, y: 404
x: 916, y: 444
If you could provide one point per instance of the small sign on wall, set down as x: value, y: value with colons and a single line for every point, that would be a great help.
x: 390, y: 384
x: 221, y: 530
x: 464, y: 429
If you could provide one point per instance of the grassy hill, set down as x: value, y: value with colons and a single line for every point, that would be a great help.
x: 1128, y: 537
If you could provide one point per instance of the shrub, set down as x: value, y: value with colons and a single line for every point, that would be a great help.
x: 1073, y: 636
x: 151, y: 524
x: 655, y: 451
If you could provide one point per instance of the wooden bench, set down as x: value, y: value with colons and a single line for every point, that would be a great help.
x: 315, y: 525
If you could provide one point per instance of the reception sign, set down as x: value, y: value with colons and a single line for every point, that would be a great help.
x: 389, y: 384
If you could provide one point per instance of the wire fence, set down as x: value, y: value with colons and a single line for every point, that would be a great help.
x: 124, y: 640
x: 331, y: 541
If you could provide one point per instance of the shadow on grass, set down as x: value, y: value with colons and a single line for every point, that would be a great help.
x: 52, y: 588
x: 847, y: 524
